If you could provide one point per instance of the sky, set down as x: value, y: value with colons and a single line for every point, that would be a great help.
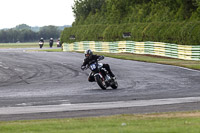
x: 35, y: 13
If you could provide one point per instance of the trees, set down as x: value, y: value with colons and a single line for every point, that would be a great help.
x: 22, y: 27
x: 49, y: 32
x: 175, y: 21
x: 82, y: 8
x: 23, y: 33
x: 130, y: 11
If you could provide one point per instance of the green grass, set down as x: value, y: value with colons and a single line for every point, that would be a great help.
x: 23, y: 45
x: 52, y: 50
x: 156, y: 59
x: 185, y: 122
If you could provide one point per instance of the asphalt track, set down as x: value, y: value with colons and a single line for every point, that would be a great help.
x: 40, y: 85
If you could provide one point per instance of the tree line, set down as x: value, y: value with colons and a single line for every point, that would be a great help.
x: 131, y: 11
x: 170, y: 21
x: 24, y: 33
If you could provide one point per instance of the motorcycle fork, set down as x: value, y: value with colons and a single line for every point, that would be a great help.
x: 101, y: 75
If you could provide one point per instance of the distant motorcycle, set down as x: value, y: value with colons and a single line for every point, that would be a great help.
x: 41, y: 44
x: 58, y: 44
x: 101, y: 75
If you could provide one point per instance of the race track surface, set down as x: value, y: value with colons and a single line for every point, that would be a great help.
x: 31, y: 83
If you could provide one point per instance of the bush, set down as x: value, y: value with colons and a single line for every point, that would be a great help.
x: 185, y: 33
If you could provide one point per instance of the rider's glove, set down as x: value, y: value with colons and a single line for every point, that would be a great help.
x: 100, y: 58
x: 83, y: 67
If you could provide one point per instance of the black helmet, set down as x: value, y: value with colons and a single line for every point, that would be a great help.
x: 88, y: 53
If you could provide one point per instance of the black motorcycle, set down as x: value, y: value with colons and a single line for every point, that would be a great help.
x: 101, y: 75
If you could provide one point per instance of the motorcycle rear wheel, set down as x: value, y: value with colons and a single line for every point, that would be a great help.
x: 115, y: 85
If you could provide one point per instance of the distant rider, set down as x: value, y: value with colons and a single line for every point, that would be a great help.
x: 41, y: 42
x: 89, y: 58
x: 58, y: 43
x: 51, y: 42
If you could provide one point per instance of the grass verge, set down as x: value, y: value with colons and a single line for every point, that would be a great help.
x: 23, y: 45
x: 156, y: 59
x: 184, y: 122
x: 52, y: 50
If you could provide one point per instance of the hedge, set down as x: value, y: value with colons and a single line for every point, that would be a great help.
x: 184, y: 33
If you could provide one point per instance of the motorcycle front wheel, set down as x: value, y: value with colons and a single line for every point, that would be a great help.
x: 101, y: 83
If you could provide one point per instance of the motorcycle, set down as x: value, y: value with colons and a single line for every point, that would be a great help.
x: 58, y: 44
x: 101, y: 76
x: 41, y: 44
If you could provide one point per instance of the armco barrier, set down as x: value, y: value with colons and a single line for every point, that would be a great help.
x: 154, y: 48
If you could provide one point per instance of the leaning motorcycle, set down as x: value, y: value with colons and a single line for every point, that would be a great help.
x: 101, y: 75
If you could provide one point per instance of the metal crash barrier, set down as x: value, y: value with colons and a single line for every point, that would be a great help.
x: 186, y: 52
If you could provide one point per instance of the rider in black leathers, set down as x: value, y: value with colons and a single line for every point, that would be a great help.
x: 51, y: 42
x: 89, y: 58
x: 42, y: 42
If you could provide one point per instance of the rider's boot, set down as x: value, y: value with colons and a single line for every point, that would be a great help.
x: 112, y: 75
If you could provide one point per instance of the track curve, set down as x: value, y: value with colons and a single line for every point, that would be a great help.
x: 55, y: 78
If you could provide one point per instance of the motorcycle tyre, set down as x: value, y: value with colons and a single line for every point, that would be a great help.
x: 41, y: 45
x: 115, y: 85
x: 99, y: 82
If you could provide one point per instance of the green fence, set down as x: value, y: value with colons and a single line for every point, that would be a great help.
x: 187, y: 52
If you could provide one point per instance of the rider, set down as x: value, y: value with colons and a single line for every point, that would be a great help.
x: 41, y: 42
x: 51, y: 42
x: 89, y: 57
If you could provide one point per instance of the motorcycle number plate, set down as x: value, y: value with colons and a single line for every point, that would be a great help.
x: 93, y: 66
